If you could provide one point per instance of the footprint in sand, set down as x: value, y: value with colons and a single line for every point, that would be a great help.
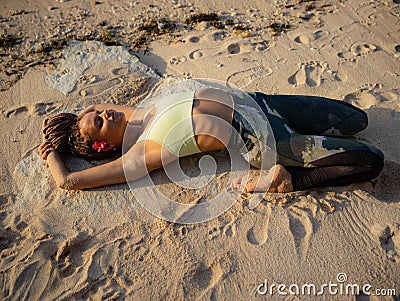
x: 309, y: 73
x: 120, y: 71
x: 87, y: 79
x: 389, y: 239
x: 194, y: 55
x: 182, y: 230
x: 213, y: 232
x: 177, y: 60
x: 369, y: 95
x: 358, y: 50
x: 301, y: 227
x: 373, y: 18
x: 39, y: 109
x: 99, y: 87
x: 244, y: 78
x: 201, y: 280
x: 311, y: 37
x: 192, y: 39
x: 397, y: 51
x: 361, y: 49
x: 258, y: 234
x: 228, y: 229
x: 233, y: 48
x: 69, y: 254
x: 261, y: 45
x: 215, y: 36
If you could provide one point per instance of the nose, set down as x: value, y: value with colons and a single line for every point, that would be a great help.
x: 105, y: 114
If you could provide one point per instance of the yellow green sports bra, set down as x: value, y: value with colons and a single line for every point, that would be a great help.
x: 172, y: 125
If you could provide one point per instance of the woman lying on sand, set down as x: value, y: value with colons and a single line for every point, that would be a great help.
x: 205, y: 118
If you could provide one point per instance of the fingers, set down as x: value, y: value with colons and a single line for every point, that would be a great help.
x: 41, y: 146
x: 244, y: 186
x: 45, y: 149
x: 44, y: 145
x: 237, y: 184
x: 45, y: 122
x: 250, y: 187
x: 46, y: 153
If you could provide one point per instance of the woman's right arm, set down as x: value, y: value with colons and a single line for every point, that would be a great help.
x: 135, y: 164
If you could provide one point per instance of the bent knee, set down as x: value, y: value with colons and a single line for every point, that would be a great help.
x: 374, y: 161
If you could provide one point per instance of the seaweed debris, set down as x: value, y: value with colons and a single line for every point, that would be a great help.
x: 9, y: 40
x: 201, y: 17
x: 277, y: 27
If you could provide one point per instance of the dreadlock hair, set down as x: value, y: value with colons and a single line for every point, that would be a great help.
x: 62, y: 131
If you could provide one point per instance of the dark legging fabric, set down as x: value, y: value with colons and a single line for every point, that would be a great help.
x: 338, y: 170
x: 308, y: 131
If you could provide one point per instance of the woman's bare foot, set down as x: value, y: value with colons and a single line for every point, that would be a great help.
x: 281, y: 182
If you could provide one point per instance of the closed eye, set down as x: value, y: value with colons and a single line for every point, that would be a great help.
x: 99, y: 121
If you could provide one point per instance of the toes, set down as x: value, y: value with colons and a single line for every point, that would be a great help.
x: 250, y: 187
x: 238, y: 184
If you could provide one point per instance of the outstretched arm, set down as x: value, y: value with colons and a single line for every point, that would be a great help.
x: 137, y: 164
x: 105, y: 174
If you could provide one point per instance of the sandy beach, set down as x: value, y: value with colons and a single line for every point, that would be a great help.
x: 101, y: 244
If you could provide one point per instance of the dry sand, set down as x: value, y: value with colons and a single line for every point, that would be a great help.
x: 101, y: 244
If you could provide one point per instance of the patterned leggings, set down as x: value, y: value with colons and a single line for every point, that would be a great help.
x: 308, y: 131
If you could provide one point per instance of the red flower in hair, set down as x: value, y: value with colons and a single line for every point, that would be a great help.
x: 99, y: 146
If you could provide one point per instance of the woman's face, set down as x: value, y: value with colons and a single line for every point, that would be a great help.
x: 107, y: 125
